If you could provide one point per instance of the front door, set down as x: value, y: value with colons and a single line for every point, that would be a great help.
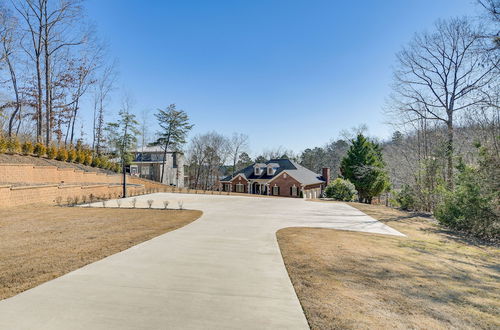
x: 255, y: 188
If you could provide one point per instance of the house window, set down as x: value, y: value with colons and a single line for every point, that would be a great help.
x: 144, y: 170
x: 293, y: 190
x: 284, y: 176
x: 276, y: 190
x: 240, y: 188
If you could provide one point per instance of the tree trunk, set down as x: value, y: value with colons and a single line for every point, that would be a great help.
x: 39, y: 101
x: 449, y: 153
x: 16, y: 92
x: 124, y: 180
x: 48, y: 94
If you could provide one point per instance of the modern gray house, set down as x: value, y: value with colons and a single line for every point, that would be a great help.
x: 148, y: 164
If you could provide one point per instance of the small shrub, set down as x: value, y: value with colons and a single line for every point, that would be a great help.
x: 150, y: 203
x: 62, y: 154
x: 96, y: 162
x: 13, y: 145
x: 88, y: 158
x: 69, y: 201
x: 341, y: 190
x: 27, y: 148
x: 71, y: 155
x: 406, y: 198
x: 104, y: 162
x: 77, y: 200
x: 84, y: 199
x: 472, y: 207
x: 52, y: 152
x: 80, y: 157
x: 59, y: 200
x: 91, y: 198
x: 165, y: 204
x: 39, y: 149
x: 3, y: 144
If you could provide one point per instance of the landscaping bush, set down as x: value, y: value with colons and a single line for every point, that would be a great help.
x: 52, y: 152
x: 27, y: 148
x: 80, y: 156
x: 3, y: 144
x: 96, y: 161
x: 71, y: 155
x: 62, y: 154
x: 88, y: 157
x: 117, y: 168
x: 342, y: 190
x: 473, y: 205
x: 406, y: 198
x: 39, y: 149
x: 13, y: 145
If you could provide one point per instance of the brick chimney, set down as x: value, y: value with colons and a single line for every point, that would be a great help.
x: 325, y: 172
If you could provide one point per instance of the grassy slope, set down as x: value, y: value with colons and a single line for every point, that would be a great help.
x: 41, y: 243
x: 430, y: 279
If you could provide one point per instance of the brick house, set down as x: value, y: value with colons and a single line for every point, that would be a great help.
x: 277, y: 177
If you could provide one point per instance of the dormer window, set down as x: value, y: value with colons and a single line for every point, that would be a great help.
x: 272, y: 168
x: 258, y: 169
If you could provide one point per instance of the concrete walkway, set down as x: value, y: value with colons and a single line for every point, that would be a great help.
x: 223, y: 271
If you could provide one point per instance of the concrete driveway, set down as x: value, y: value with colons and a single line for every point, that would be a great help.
x: 223, y: 271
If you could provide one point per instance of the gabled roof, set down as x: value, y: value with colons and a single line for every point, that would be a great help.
x: 297, y: 171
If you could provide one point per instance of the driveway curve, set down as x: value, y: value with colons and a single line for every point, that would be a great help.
x: 223, y: 271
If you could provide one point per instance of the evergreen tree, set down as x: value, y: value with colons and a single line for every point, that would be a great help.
x: 174, y: 129
x: 244, y: 160
x: 364, y: 167
x: 123, y: 135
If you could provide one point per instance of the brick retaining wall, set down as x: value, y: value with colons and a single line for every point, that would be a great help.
x: 22, y: 184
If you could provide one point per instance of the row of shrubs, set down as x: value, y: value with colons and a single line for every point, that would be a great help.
x: 71, y: 154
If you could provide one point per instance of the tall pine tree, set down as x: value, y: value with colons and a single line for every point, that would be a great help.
x: 364, y: 167
x: 174, y: 126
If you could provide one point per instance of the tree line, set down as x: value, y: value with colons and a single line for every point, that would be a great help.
x: 444, y: 154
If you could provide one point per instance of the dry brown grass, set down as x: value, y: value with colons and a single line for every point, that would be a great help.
x: 429, y: 280
x: 41, y: 243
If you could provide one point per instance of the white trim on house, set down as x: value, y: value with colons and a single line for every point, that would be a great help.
x: 240, y: 187
x: 283, y: 172
x: 237, y: 175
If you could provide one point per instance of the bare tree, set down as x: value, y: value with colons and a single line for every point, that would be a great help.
x: 32, y: 13
x: 439, y: 74
x: 144, y: 127
x: 9, y: 36
x: 58, y: 20
x: 83, y: 77
x: 237, y: 144
x: 102, y: 90
x: 207, y: 154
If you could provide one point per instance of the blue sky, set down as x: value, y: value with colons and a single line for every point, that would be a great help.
x: 287, y: 73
